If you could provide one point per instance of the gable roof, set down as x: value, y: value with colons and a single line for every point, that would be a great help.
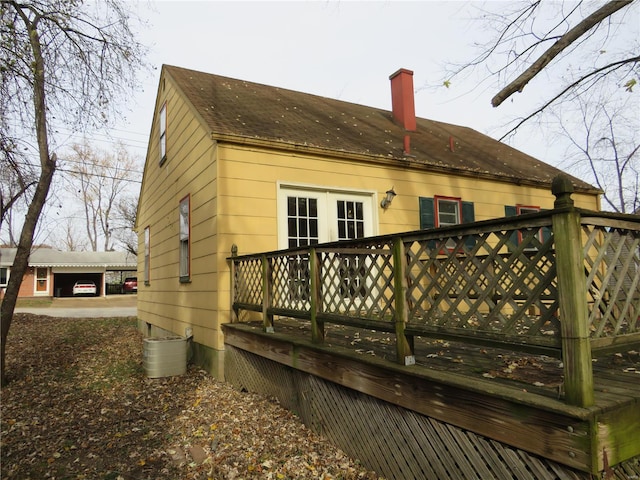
x: 237, y: 110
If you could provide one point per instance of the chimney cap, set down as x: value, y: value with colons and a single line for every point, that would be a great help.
x: 399, y: 71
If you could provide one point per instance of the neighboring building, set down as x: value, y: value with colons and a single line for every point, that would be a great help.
x: 232, y: 162
x: 53, y: 272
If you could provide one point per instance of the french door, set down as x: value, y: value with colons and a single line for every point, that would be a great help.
x: 309, y: 217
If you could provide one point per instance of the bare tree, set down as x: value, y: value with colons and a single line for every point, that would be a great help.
x: 574, y: 38
x: 604, y: 146
x: 63, y: 62
x: 17, y: 177
x: 127, y: 211
x: 589, y: 75
x: 67, y: 237
x: 101, y: 179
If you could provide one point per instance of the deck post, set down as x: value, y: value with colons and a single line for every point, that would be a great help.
x: 572, y: 292
x: 232, y: 287
x: 404, y: 344
x: 317, y: 328
x: 267, y: 319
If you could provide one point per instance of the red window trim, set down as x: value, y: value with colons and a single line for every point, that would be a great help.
x: 436, y: 208
x: 146, y: 275
x: 519, y: 208
x: 188, y: 199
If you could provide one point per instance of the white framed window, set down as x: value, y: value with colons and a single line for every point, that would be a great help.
x: 185, y: 261
x: 147, y: 255
x: 311, y: 215
x: 302, y: 220
x: 350, y: 218
x: 42, y: 281
x: 448, y: 211
x: 163, y: 133
x: 522, y: 210
x: 4, y: 276
x: 447, y: 214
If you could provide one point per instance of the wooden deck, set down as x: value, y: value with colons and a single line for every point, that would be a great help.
x: 524, y: 330
x: 503, y: 395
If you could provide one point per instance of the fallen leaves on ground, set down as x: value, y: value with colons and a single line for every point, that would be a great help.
x: 79, y: 406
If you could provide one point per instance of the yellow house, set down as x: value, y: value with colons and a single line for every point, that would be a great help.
x: 234, y: 163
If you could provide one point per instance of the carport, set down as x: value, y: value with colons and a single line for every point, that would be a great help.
x: 53, y: 272
x: 63, y: 282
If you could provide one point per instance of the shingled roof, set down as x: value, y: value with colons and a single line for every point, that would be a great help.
x: 252, y: 112
x: 49, y: 257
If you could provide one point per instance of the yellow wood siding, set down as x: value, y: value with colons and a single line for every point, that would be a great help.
x: 248, y: 179
x: 190, y: 170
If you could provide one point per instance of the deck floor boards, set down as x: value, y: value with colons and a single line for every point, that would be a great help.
x: 616, y: 375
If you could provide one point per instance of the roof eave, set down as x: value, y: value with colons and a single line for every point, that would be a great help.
x: 402, y: 161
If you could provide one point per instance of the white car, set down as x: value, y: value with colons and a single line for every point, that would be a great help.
x: 84, y: 287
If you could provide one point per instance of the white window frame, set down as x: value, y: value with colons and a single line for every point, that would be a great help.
x: 327, y: 213
x: 451, y: 201
x: 45, y: 279
x: 7, y: 274
x: 523, y: 210
x: 438, y: 203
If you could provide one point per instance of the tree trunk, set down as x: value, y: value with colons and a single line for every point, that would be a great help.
x: 21, y: 262
x: 48, y: 167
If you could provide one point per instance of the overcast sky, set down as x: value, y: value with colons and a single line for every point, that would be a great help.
x: 338, y: 49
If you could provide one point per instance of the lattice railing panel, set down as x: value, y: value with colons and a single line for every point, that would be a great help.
x: 486, y: 283
x: 494, y: 279
x: 358, y: 284
x: 612, y: 266
x: 248, y: 281
x: 291, y: 282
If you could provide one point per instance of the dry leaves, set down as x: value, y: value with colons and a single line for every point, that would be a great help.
x: 80, y: 407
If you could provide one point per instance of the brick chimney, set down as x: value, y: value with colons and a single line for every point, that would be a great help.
x: 404, y: 110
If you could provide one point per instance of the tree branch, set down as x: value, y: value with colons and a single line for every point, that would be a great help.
x: 564, y: 42
x: 611, y: 66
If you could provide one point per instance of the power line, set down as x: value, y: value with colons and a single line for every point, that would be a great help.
x: 81, y: 162
x: 62, y: 169
x: 110, y: 177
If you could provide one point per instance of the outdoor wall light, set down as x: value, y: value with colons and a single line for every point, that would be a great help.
x: 386, y: 201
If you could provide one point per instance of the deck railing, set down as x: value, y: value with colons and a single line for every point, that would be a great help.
x: 561, y: 282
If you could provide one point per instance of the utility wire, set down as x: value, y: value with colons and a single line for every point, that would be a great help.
x: 110, y: 177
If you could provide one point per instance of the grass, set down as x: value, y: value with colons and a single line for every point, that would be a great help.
x: 34, y: 302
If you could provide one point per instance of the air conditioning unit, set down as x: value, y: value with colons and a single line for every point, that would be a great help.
x: 165, y: 357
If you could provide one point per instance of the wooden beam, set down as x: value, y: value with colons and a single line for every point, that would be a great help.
x: 572, y: 292
x: 315, y: 286
x: 617, y: 435
x: 404, y: 345
x: 523, y: 420
x: 267, y: 318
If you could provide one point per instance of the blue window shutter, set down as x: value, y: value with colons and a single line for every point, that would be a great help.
x: 468, y: 216
x: 468, y: 213
x: 511, y: 211
x: 427, y: 215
